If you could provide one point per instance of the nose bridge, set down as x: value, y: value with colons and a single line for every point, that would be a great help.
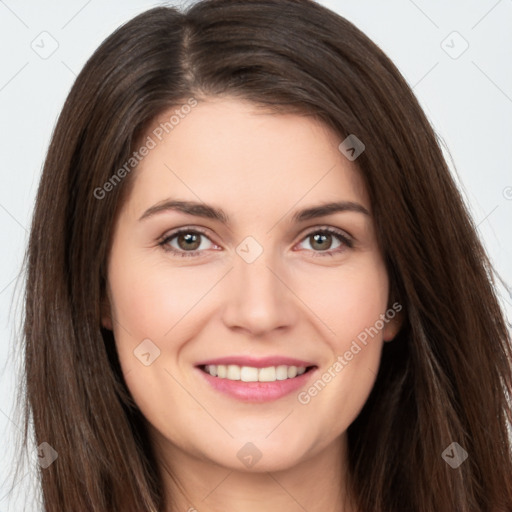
x: 258, y: 300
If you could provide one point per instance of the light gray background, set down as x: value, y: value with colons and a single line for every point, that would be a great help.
x: 468, y: 98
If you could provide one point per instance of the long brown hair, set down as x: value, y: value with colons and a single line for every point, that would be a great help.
x: 446, y: 377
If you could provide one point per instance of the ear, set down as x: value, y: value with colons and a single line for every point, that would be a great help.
x: 106, y: 313
x: 393, y: 326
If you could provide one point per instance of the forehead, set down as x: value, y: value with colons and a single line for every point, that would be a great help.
x: 228, y: 152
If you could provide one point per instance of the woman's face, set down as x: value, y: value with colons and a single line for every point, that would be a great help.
x: 254, y: 289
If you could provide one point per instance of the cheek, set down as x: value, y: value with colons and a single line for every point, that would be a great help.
x: 151, y: 298
x: 350, y: 303
x: 347, y: 299
x: 156, y: 302
x: 150, y: 301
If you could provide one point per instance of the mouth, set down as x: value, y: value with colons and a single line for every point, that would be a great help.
x: 250, y: 380
x: 236, y: 372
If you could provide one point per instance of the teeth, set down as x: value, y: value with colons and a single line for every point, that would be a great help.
x: 233, y: 372
x: 267, y: 374
x: 251, y: 374
x: 212, y: 370
x: 282, y: 372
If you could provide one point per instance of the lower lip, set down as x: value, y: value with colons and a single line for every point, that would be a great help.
x: 257, y: 391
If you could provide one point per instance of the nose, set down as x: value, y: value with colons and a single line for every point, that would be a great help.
x: 259, y: 299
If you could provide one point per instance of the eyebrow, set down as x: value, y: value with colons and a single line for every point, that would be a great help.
x: 210, y: 212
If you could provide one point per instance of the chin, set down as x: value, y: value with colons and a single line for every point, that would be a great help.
x: 261, y: 455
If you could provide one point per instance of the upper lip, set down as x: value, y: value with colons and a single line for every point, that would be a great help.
x: 257, y: 362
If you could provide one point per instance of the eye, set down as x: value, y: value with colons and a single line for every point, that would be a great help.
x: 186, y: 242
x: 322, y: 240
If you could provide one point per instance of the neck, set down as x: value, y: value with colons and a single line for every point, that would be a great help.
x: 317, y: 483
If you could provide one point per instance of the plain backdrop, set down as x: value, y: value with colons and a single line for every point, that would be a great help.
x: 456, y: 55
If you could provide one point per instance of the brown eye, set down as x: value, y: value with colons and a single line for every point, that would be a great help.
x: 321, y: 241
x: 327, y: 241
x: 187, y: 242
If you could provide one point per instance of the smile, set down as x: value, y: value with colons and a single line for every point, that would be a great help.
x: 249, y: 379
x: 253, y: 374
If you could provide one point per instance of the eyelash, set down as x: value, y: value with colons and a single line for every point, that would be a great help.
x: 340, y: 235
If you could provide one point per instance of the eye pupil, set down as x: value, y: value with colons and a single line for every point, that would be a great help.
x: 192, y: 241
x: 319, y: 238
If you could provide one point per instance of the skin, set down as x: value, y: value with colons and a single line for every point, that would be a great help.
x: 260, y: 168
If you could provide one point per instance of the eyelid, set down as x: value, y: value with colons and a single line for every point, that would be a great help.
x: 330, y: 229
x: 173, y: 232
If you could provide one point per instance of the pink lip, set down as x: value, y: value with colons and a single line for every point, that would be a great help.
x: 262, y: 362
x: 257, y: 391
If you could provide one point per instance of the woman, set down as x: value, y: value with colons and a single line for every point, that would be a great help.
x: 261, y: 287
